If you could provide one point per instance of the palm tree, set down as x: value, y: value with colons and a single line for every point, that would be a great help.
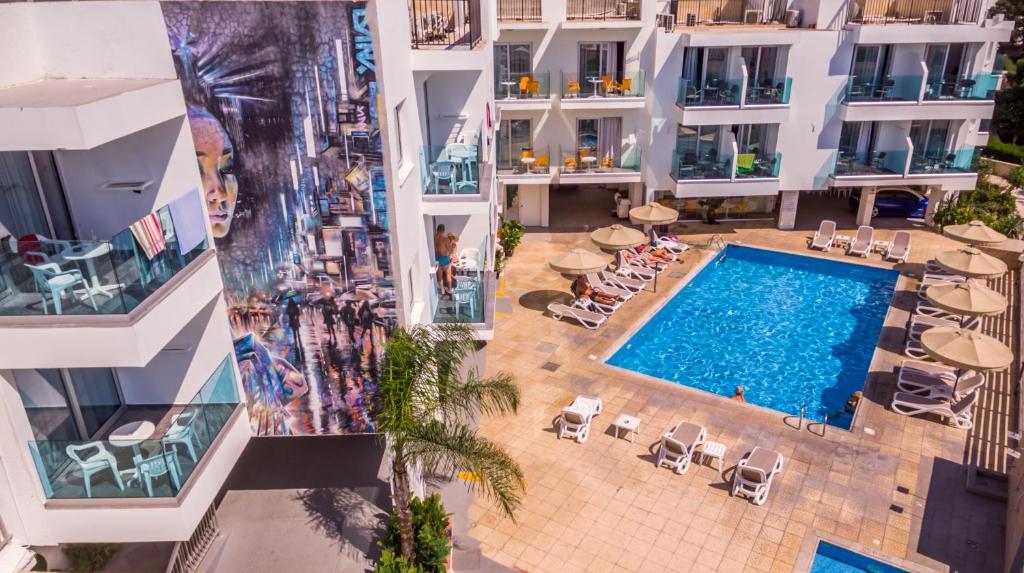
x: 425, y: 407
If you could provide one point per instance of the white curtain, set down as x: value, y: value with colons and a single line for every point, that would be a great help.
x: 609, y: 137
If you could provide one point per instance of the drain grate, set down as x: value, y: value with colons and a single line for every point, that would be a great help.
x: 896, y: 508
x: 550, y: 366
x: 902, y: 489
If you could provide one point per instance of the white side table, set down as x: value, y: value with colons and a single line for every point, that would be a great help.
x: 716, y: 451
x: 629, y: 424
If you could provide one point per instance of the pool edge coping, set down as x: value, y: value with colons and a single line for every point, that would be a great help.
x: 809, y: 549
x: 707, y: 258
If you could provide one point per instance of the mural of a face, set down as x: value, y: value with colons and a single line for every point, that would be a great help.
x: 216, y: 156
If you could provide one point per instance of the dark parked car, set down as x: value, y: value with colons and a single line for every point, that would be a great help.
x: 895, y: 202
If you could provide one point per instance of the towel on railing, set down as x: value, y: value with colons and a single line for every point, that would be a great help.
x: 149, y: 234
x: 189, y: 221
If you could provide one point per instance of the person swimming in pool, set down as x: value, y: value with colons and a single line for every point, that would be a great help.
x: 443, y: 254
x: 738, y: 396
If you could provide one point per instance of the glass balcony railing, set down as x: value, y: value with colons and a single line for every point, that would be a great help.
x: 43, y: 276
x: 758, y: 166
x: 524, y: 161
x: 515, y: 86
x: 157, y: 466
x: 957, y: 161
x: 710, y: 92
x: 586, y: 160
x: 688, y: 166
x: 891, y: 88
x: 770, y: 92
x: 876, y: 163
x: 465, y: 302
x: 602, y: 9
x: 452, y: 169
x: 610, y: 85
x: 980, y: 87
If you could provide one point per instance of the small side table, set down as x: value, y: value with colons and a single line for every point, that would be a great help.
x: 716, y: 451
x: 528, y: 162
x: 508, y: 89
x: 842, y: 240
x: 589, y: 161
x: 880, y: 246
x: 629, y: 424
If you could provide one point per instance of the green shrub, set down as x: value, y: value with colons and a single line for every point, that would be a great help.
x: 89, y: 557
x: 430, y: 525
x: 391, y: 563
x: 1003, y: 151
x: 989, y: 203
x: 510, y: 235
x: 1016, y: 177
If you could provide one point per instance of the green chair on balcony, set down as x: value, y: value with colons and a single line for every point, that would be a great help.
x: 443, y: 171
x: 745, y: 163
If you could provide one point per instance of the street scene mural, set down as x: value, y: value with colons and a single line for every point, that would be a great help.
x: 281, y: 103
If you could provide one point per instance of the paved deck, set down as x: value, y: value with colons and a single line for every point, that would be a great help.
x: 893, y: 484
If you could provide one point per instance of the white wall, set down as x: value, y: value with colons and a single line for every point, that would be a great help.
x: 163, y: 154
x: 20, y: 60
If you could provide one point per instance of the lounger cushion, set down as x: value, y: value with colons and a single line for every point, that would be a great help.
x: 686, y: 434
x: 764, y: 460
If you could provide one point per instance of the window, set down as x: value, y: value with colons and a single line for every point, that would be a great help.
x: 761, y: 63
x: 600, y: 59
x: 600, y: 137
x: 513, y: 138
x: 68, y: 404
x: 511, y: 62
x: 21, y: 210
x: 398, y: 132
x: 984, y: 126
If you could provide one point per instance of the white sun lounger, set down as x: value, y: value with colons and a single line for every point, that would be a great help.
x: 587, y: 318
x: 824, y: 236
x: 586, y: 303
x: 913, y: 349
x: 574, y: 420
x: 899, y: 248
x: 634, y: 258
x: 959, y: 412
x: 916, y: 369
x: 623, y: 282
x: 861, y: 243
x: 678, y: 446
x: 919, y: 324
x: 754, y: 474
x: 596, y: 283
x: 671, y: 245
x: 940, y: 388
x: 923, y: 309
x: 932, y: 280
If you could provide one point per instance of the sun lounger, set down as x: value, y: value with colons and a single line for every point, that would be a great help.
x: 586, y: 318
x: 669, y: 244
x: 595, y: 282
x: 678, y: 446
x: 635, y: 258
x: 959, y: 412
x: 824, y: 236
x: 634, y: 285
x: 920, y: 324
x: 587, y: 303
x: 755, y: 472
x: 913, y: 349
x: 917, y: 370
x: 932, y: 280
x: 940, y: 388
x: 861, y: 243
x: 574, y: 420
x: 923, y: 309
x: 899, y: 249
x: 624, y: 267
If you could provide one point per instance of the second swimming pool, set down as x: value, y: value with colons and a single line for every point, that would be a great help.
x: 790, y: 329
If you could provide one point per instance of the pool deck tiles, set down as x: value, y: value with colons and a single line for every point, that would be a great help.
x: 604, y: 506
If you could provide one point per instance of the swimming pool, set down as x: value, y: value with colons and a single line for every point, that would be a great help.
x: 790, y: 329
x: 834, y: 559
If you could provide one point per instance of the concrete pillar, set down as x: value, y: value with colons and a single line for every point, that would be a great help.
x: 787, y: 210
x: 867, y: 205
x: 637, y: 196
x: 936, y: 195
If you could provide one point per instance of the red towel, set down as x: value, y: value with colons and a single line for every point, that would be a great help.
x: 149, y: 234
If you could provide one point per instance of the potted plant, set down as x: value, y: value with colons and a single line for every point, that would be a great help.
x: 510, y: 234
x: 709, y: 207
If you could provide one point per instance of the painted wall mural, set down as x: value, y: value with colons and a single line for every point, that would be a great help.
x: 281, y: 102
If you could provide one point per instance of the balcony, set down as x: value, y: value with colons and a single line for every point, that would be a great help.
x: 954, y: 170
x: 152, y: 452
x: 746, y: 13
x: 932, y: 12
x: 602, y: 14
x: 444, y: 24
x: 521, y: 14
x: 452, y: 169
x: 918, y: 97
x: 40, y: 276
x: 716, y: 101
x: 527, y: 165
x: 472, y: 298
x: 583, y: 166
x: 729, y: 174
x: 615, y: 90
x: 515, y: 91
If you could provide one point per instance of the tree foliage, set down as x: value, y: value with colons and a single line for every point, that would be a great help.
x: 989, y: 203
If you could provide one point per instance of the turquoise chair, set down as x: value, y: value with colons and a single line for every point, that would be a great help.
x: 148, y: 469
x: 442, y: 171
x: 50, y: 278
x: 182, y: 432
x: 92, y: 458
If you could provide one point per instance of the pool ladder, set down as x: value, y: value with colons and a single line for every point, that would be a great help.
x: 716, y: 241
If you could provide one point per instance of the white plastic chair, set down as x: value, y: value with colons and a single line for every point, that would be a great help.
x: 182, y: 432
x: 464, y: 293
x: 159, y: 465
x: 50, y: 278
x: 92, y: 463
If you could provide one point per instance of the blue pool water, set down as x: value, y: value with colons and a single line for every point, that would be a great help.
x: 790, y: 329
x: 834, y: 559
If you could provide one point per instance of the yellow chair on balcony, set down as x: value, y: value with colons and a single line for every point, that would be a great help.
x: 626, y: 86
x: 572, y: 87
x: 541, y: 163
x: 569, y: 164
x: 534, y: 87
x: 610, y: 86
x: 607, y: 162
x: 524, y: 86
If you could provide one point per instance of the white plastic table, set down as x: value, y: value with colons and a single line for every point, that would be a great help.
x: 589, y: 160
x: 595, y: 81
x: 880, y: 246
x: 508, y: 89
x: 713, y: 450
x: 131, y: 435
x: 842, y: 240
x: 528, y: 162
x: 628, y: 424
x: 88, y: 252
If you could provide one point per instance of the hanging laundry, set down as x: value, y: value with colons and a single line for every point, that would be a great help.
x: 189, y: 220
x: 149, y: 234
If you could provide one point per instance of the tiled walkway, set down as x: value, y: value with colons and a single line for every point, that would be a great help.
x: 893, y: 484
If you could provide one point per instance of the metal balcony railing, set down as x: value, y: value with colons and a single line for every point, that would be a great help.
x: 519, y: 11
x: 914, y: 11
x: 706, y: 12
x: 444, y: 24
x: 602, y: 9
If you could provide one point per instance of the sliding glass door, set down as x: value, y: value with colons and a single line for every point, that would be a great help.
x: 599, y: 59
x: 600, y: 136
x: 513, y: 138
x: 761, y: 62
x: 511, y: 62
x: 68, y: 404
x: 930, y: 138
